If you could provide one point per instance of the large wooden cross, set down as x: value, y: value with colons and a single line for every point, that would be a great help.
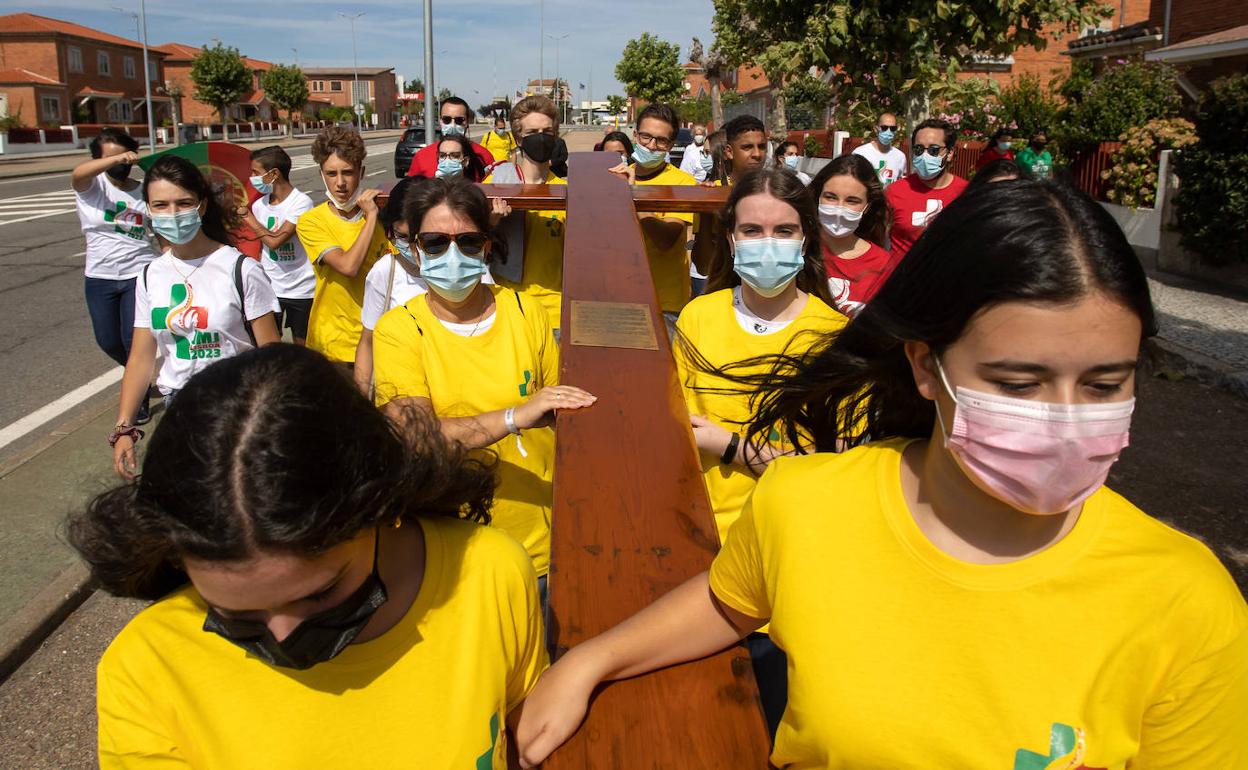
x: 631, y: 519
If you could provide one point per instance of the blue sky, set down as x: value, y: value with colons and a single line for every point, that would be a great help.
x: 486, y: 42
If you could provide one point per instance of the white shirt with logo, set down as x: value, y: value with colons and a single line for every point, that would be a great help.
x: 114, y: 223
x: 889, y: 166
x: 287, y: 266
x: 193, y: 310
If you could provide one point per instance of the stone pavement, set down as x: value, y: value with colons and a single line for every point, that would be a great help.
x: 1202, y: 334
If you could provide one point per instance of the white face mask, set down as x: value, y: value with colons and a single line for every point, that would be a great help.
x: 839, y: 220
x: 698, y: 139
x: 355, y: 196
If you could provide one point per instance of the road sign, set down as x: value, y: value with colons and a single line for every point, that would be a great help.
x: 359, y: 109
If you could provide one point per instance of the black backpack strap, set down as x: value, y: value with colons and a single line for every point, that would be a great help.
x: 242, y: 301
x: 519, y: 304
x: 145, y: 267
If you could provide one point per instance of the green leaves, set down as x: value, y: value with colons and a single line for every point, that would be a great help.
x: 220, y: 76
x: 286, y: 87
x: 650, y: 69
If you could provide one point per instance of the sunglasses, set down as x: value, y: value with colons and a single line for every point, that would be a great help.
x: 932, y: 149
x: 888, y: 128
x: 435, y: 244
x: 460, y: 121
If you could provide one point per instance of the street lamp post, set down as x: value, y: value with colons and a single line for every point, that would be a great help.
x: 140, y: 29
x: 429, y: 116
x: 355, y: 64
x: 563, y: 118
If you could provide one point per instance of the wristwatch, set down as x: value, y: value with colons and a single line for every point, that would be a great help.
x: 730, y: 451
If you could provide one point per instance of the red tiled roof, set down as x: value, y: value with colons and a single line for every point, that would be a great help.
x: 89, y: 91
x: 182, y: 51
x: 1231, y: 35
x: 255, y: 97
x: 28, y: 23
x: 26, y: 76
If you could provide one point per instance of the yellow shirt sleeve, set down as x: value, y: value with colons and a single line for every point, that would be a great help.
x: 398, y: 365
x: 129, y: 732
x: 531, y: 657
x: 547, y: 348
x: 315, y: 236
x: 737, y: 576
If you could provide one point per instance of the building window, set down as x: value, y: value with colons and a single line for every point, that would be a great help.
x: 335, y: 85
x: 50, y: 109
x: 75, y: 58
x: 152, y: 72
x: 102, y: 65
x: 120, y: 111
x: 127, y: 67
x: 316, y: 85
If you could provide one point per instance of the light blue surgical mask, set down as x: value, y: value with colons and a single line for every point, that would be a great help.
x: 405, y: 250
x: 792, y: 160
x: 262, y: 187
x: 451, y: 274
x: 449, y: 167
x: 453, y: 129
x: 885, y: 137
x: 1003, y: 146
x: 707, y: 163
x: 177, y: 228
x: 648, y: 158
x: 768, y: 265
x: 928, y: 166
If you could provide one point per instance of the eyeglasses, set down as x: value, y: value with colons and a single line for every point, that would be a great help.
x: 450, y: 156
x: 434, y: 244
x: 535, y: 131
x: 932, y: 149
x: 459, y: 121
x: 887, y: 128
x: 659, y: 142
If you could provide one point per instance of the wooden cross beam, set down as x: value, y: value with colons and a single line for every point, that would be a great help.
x: 658, y: 199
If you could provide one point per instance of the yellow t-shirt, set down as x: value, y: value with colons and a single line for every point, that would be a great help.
x: 1123, y: 645
x: 670, y: 267
x: 499, y: 146
x: 334, y: 328
x: 432, y: 692
x: 415, y: 356
x: 710, y: 324
x: 542, y: 278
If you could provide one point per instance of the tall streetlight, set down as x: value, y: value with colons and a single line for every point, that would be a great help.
x: 541, y: 44
x: 355, y: 63
x: 429, y: 116
x: 140, y: 30
x: 558, y: 91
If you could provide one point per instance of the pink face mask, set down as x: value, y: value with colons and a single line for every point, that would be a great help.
x: 1040, y: 458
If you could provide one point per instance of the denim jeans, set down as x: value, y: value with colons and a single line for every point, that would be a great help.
x: 111, y: 306
x: 771, y: 670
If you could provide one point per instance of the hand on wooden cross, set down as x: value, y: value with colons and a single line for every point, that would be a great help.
x: 626, y: 171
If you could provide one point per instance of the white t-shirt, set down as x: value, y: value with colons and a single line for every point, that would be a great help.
x: 287, y: 266
x: 692, y: 162
x: 890, y: 166
x: 113, y: 221
x: 192, y: 308
x: 405, y: 287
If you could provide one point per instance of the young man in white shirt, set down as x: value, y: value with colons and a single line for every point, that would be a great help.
x: 696, y: 162
x: 888, y: 161
x: 273, y: 218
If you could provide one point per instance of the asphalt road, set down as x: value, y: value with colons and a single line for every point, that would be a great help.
x: 47, y: 348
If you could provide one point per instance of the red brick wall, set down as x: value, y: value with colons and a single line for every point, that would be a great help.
x: 1194, y: 18
x: 36, y: 56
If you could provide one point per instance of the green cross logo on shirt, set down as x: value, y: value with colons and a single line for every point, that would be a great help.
x: 486, y: 760
x: 184, y: 312
x: 524, y: 386
x: 1065, y: 743
x: 130, y: 231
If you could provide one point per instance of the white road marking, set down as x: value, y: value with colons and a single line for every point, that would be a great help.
x: 38, y: 206
x: 15, y: 430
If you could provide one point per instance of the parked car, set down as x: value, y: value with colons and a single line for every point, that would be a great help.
x: 413, y: 140
x: 684, y: 137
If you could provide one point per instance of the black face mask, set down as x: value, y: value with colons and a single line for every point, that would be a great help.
x: 539, y: 148
x: 120, y: 172
x: 315, y: 640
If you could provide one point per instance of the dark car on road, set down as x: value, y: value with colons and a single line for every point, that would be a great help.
x: 684, y: 137
x: 413, y: 139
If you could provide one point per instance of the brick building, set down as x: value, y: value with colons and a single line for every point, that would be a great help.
x: 55, y: 72
x: 252, y: 106
x: 377, y: 87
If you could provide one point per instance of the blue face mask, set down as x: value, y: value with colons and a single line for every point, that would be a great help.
x: 647, y: 158
x: 885, y: 137
x: 453, y: 129
x: 177, y: 228
x: 262, y: 187
x: 405, y: 250
x: 707, y: 163
x: 768, y: 265
x: 792, y: 160
x: 450, y: 167
x: 450, y: 274
x: 928, y: 166
x: 1003, y: 146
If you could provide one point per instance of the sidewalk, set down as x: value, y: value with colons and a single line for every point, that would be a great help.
x: 16, y: 166
x: 1201, y: 335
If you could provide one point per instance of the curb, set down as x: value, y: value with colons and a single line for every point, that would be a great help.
x: 1198, y: 366
x: 22, y: 634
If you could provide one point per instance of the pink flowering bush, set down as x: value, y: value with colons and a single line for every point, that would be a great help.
x: 1132, y: 175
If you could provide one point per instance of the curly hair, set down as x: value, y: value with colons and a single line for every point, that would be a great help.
x: 272, y: 450
x: 346, y: 143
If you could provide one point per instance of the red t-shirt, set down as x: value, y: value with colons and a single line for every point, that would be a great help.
x: 914, y: 206
x: 853, y: 282
x: 425, y: 161
x: 991, y: 154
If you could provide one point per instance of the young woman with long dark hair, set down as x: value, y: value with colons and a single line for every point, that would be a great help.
x: 959, y: 589
x: 200, y: 301
x: 854, y: 216
x: 324, y: 593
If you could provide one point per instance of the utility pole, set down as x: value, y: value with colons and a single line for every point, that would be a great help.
x: 140, y: 31
x: 541, y: 44
x: 563, y: 118
x: 430, y: 118
x: 355, y: 64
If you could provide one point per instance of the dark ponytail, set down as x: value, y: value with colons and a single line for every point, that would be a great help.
x: 218, y: 219
x: 272, y: 450
x: 1014, y: 241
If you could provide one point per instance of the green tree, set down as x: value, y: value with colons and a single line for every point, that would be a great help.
x: 897, y: 50
x: 616, y: 104
x: 414, y: 86
x: 1026, y: 105
x: 1213, y: 198
x: 220, y: 76
x: 287, y: 88
x: 650, y: 69
x: 444, y: 93
x: 695, y: 110
x: 1123, y: 97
